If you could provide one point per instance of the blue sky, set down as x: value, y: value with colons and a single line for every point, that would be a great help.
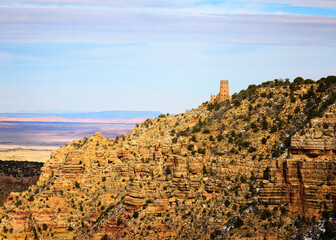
x: 155, y: 55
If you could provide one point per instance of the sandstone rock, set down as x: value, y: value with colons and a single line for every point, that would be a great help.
x: 317, y: 140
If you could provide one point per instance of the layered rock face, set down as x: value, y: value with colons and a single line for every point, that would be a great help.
x: 81, y: 184
x: 306, y: 180
x: 308, y: 185
x: 318, y: 138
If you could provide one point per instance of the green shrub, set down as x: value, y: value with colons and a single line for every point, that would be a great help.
x: 216, y: 233
x: 213, y: 106
x: 274, y: 129
x: 135, y: 214
x: 238, y: 222
x: 119, y: 221
x: 44, y: 227
x: 35, y: 233
x: 275, y: 154
x: 18, y: 203
x: 236, y: 103
x: 265, y: 214
x: 105, y: 237
x: 227, y: 203
x: 253, y: 125
x: 206, y: 131
x: 264, y: 124
x: 252, y: 149
x: 190, y: 147
x: 309, y: 81
x: 220, y: 137
x: 287, y: 141
x: 201, y: 151
x: 184, y: 132
x: 168, y: 170
x: 193, y: 138
x: 245, y: 144
x: 298, y: 81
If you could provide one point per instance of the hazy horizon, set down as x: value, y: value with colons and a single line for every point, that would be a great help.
x: 112, y: 117
x: 54, y: 129
x: 37, y: 134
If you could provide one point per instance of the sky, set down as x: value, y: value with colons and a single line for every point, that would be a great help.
x: 166, y: 56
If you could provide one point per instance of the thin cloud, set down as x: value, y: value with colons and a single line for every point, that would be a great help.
x: 190, y: 7
x: 106, y: 25
x: 87, y: 3
x: 301, y: 3
x: 154, y: 3
x: 6, y: 57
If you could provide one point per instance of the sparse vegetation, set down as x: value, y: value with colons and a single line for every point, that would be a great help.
x: 221, y: 171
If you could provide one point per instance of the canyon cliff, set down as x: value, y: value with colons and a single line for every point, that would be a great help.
x: 261, y: 164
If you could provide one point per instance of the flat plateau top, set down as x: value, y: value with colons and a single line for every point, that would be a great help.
x: 25, y: 155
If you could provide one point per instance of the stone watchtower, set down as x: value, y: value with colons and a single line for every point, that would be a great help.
x: 223, y: 92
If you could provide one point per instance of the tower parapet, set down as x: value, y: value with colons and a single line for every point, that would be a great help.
x: 223, y: 92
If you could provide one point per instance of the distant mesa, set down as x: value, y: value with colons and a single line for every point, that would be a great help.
x: 65, y: 120
x: 130, y: 117
x: 223, y: 92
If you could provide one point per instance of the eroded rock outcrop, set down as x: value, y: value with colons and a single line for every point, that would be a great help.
x: 317, y: 138
x: 307, y: 179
